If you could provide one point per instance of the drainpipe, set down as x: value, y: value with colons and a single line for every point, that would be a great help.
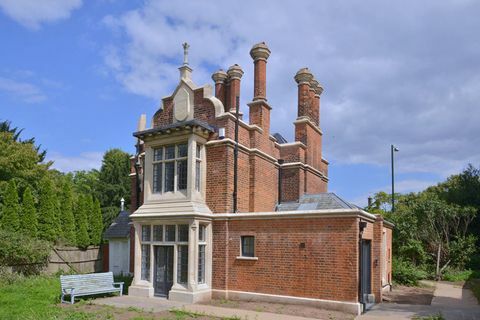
x: 235, y: 158
x: 280, y: 178
x: 362, y: 225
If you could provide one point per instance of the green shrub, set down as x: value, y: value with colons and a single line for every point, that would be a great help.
x: 406, y: 273
x: 26, y: 255
x: 460, y: 275
x: 126, y: 279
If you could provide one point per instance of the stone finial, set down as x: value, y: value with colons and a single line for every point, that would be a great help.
x: 260, y: 51
x: 235, y: 72
x: 219, y: 76
x: 303, y: 76
x: 185, y: 53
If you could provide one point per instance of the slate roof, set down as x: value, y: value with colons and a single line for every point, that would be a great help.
x: 319, y: 201
x: 120, y: 228
x: 191, y: 123
x: 280, y: 138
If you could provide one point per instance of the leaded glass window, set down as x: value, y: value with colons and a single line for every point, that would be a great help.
x: 183, y: 232
x: 248, y: 246
x: 145, y: 262
x: 146, y: 236
x: 158, y: 233
x: 201, y: 263
x: 182, y: 264
x: 170, y: 233
x: 170, y: 169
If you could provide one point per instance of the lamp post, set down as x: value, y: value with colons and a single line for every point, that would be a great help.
x: 392, y: 150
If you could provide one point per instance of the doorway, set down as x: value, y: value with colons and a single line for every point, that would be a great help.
x: 163, y: 270
x: 366, y: 280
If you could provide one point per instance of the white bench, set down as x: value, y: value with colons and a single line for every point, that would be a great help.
x: 88, y: 284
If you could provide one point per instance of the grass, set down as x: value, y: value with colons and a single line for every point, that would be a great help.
x: 461, y: 275
x: 437, y: 316
x: 32, y: 298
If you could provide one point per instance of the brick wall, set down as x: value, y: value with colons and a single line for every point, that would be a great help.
x: 326, y: 268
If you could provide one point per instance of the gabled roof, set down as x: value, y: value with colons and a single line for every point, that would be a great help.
x: 319, y: 201
x: 120, y: 228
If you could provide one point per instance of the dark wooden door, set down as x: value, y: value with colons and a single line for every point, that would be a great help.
x: 366, y: 275
x: 163, y: 270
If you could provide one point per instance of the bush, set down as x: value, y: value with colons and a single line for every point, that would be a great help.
x: 26, y: 255
x: 406, y: 273
x: 460, y: 275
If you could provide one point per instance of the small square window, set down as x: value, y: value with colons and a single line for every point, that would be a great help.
x: 248, y: 246
x: 170, y: 233
x: 158, y: 233
x: 183, y: 232
x: 146, y: 235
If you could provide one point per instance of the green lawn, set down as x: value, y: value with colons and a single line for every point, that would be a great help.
x: 39, y: 298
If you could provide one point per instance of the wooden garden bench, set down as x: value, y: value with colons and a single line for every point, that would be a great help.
x: 88, y: 284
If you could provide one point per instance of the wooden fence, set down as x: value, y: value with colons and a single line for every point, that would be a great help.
x: 72, y: 259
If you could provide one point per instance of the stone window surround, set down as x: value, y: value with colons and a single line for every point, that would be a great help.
x: 193, y: 244
x: 191, y: 193
x: 162, y: 162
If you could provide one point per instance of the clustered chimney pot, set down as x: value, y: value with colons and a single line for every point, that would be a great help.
x: 219, y: 76
x: 303, y: 76
x: 235, y: 72
x: 260, y: 51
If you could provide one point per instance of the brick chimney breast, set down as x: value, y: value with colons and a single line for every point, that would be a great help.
x: 260, y: 53
x: 303, y: 78
x: 220, y: 77
x: 235, y: 74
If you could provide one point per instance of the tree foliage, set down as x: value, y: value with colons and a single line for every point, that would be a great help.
x: 47, y: 212
x: 433, y: 228
x: 66, y: 216
x: 10, y: 218
x: 96, y: 223
x: 113, y: 183
x: 81, y: 212
x: 28, y: 219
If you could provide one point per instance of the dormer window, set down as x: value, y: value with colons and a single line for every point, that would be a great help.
x: 170, y: 168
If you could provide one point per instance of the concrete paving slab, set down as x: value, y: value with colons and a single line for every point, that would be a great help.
x: 240, y: 313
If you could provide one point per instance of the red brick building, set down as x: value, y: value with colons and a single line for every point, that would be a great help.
x: 252, y: 220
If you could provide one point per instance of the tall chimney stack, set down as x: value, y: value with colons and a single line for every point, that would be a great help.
x: 316, y: 101
x: 235, y: 74
x: 220, y: 87
x: 259, y: 108
x: 260, y: 53
x: 303, y: 78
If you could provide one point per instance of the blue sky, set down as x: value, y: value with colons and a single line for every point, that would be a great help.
x: 77, y: 75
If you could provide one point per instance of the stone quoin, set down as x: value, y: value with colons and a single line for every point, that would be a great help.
x: 289, y: 241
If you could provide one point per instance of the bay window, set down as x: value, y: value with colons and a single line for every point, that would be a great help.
x: 170, y: 168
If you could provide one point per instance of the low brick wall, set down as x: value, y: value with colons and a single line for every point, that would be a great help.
x: 73, y: 259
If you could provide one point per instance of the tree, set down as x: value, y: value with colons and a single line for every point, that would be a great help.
x: 29, y: 220
x: 114, y: 183
x: 20, y: 161
x: 96, y: 223
x: 82, y: 237
x: 47, y: 215
x: 10, y: 219
x: 67, y: 218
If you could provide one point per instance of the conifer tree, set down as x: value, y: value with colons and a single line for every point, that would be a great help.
x: 28, y: 218
x: 83, y: 239
x: 96, y: 223
x: 66, y: 217
x: 47, y: 224
x: 10, y: 209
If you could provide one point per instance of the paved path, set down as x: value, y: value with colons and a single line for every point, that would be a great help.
x: 453, y: 302
x: 159, y: 304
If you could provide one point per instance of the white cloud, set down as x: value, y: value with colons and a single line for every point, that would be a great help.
x: 84, y: 161
x: 404, y: 73
x: 23, y: 91
x: 32, y: 13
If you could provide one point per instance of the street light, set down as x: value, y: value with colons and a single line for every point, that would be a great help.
x: 392, y: 150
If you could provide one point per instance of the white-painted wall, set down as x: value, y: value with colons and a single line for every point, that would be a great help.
x: 119, y: 256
